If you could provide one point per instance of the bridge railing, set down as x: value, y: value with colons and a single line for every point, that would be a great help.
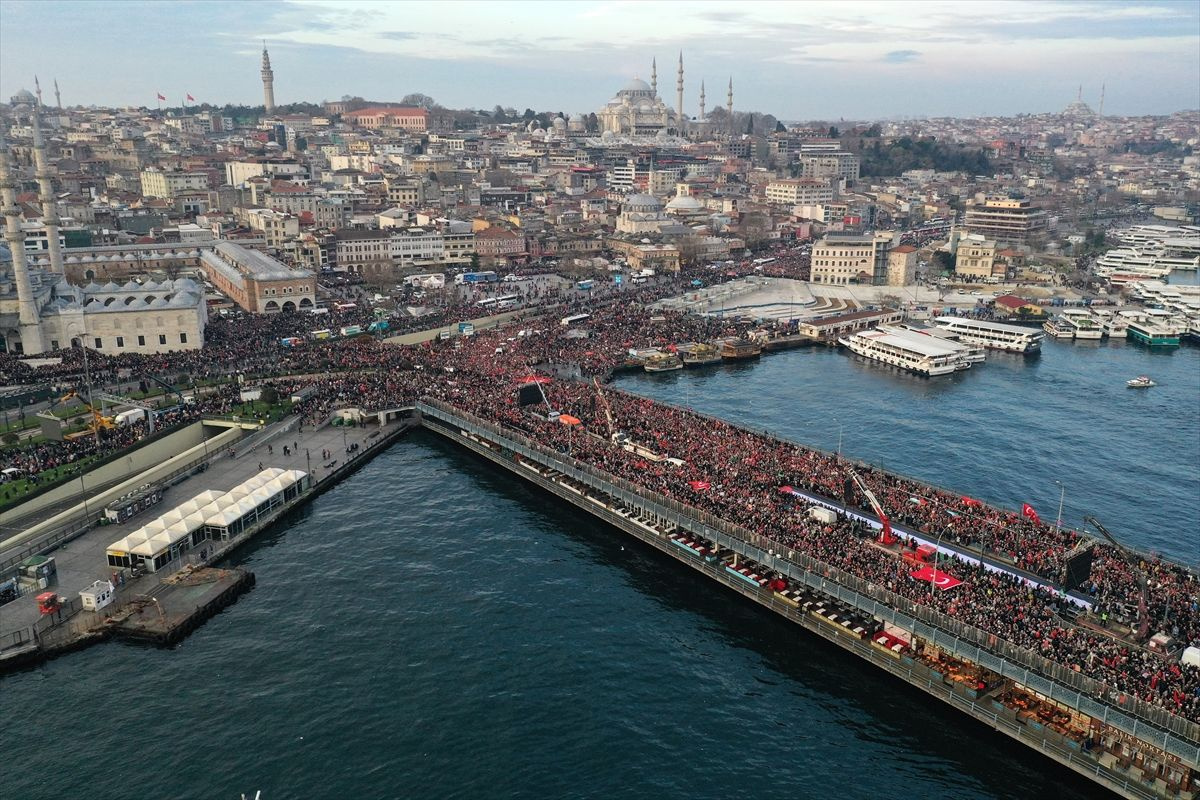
x: 1144, y: 720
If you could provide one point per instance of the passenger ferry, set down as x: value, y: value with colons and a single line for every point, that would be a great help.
x: 1059, y: 328
x: 993, y: 335
x: 1152, y: 334
x: 1083, y: 324
x: 974, y: 353
x: 913, y: 352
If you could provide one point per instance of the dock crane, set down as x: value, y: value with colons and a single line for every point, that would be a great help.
x: 885, y: 536
x: 1143, y: 628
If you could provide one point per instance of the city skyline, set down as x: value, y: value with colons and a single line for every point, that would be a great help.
x: 794, y: 60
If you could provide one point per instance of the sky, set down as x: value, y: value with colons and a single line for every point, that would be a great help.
x: 796, y: 60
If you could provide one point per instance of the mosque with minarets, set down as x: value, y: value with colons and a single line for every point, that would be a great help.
x: 40, y: 311
x: 637, y: 112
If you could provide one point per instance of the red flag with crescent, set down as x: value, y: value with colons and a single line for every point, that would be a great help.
x: 1028, y: 511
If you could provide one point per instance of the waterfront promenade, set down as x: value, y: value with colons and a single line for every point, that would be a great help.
x: 82, y: 561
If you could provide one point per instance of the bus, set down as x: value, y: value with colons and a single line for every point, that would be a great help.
x: 759, y: 263
x: 585, y: 285
x: 352, y: 330
x: 291, y: 341
x: 324, y: 333
x: 503, y: 301
x: 344, y: 306
x: 571, y: 320
x: 476, y: 277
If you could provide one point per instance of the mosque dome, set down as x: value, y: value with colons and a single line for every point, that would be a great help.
x: 558, y: 123
x: 22, y: 97
x: 636, y: 85
x: 608, y: 136
x: 642, y: 203
x: 685, y: 202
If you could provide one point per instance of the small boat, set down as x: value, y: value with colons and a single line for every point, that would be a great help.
x: 740, y: 348
x: 663, y: 362
x: 1140, y: 382
x: 699, y: 354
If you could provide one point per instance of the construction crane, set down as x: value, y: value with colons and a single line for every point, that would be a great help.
x: 605, y: 406
x: 98, y: 420
x: 149, y: 408
x: 169, y: 388
x: 1143, y: 628
x: 885, y: 535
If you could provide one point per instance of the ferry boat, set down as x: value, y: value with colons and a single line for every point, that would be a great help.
x: 973, y: 353
x: 993, y: 335
x: 913, y: 353
x: 740, y: 349
x: 1083, y: 324
x: 699, y: 354
x: 1152, y: 334
x: 1140, y: 382
x: 663, y: 362
x: 1059, y: 328
x: 1112, y: 323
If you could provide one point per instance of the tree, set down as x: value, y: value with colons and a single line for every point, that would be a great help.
x: 474, y: 261
x: 834, y: 132
x: 780, y: 127
x: 750, y: 123
x: 418, y: 100
x: 529, y: 115
x: 498, y: 114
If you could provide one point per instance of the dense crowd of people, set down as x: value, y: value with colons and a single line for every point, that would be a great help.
x: 730, y: 472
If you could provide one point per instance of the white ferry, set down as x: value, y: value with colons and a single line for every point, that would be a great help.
x: 1083, y: 324
x: 1059, y: 328
x: 912, y: 353
x: 974, y: 353
x: 994, y: 335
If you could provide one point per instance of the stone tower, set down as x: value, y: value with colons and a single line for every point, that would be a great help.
x: 268, y: 79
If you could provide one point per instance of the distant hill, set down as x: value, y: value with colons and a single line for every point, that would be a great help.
x: 906, y: 153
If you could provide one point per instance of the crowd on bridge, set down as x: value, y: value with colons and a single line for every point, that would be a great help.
x: 730, y: 472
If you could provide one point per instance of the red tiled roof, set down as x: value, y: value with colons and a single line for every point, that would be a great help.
x: 1011, y: 301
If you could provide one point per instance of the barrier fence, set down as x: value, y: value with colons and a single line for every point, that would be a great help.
x: 1150, y: 723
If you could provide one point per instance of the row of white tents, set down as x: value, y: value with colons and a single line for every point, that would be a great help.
x: 208, y: 515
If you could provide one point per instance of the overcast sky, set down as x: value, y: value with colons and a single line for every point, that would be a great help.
x: 797, y: 60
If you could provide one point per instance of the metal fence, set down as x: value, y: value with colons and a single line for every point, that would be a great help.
x: 1148, y: 722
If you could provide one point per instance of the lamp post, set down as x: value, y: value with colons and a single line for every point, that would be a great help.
x: 1061, y: 498
x: 839, y: 447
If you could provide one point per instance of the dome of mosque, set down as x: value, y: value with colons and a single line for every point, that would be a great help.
x: 642, y: 203
x: 23, y: 96
x: 685, y: 202
x: 636, y: 85
x: 558, y: 123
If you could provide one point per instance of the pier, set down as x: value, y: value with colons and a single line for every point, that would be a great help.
x: 163, y: 606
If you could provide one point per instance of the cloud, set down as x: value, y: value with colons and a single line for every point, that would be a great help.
x: 900, y: 56
x: 397, y: 36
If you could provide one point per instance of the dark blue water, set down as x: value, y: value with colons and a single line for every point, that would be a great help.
x: 432, y: 627
x: 1003, y: 431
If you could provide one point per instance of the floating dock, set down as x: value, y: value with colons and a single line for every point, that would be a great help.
x: 180, y: 604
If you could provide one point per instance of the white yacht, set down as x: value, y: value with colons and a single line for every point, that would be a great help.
x: 913, y: 352
x: 993, y: 335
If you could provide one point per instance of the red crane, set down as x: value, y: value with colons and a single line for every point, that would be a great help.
x: 885, y: 535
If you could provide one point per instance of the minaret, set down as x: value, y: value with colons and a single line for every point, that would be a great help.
x: 57, y: 96
x: 268, y: 78
x: 27, y: 310
x: 1100, y: 113
x: 37, y: 89
x: 654, y: 76
x: 46, y: 191
x: 1079, y: 97
x: 729, y: 98
x: 701, y: 101
x: 679, y: 95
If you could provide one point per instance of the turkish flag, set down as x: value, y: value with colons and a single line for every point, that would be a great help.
x: 1028, y: 511
x: 699, y: 485
x: 189, y: 97
x: 938, y: 578
x: 161, y: 97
